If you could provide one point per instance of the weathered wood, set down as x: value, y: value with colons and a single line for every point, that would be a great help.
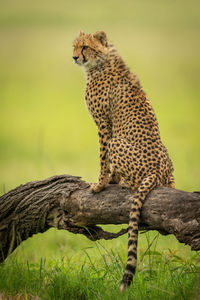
x: 65, y: 202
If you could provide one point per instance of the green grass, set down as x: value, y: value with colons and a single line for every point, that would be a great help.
x: 160, y: 275
x: 45, y: 129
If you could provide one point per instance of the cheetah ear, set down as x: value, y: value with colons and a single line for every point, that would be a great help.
x: 81, y: 33
x: 101, y: 36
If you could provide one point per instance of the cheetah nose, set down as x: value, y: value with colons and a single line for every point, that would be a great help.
x: 75, y: 57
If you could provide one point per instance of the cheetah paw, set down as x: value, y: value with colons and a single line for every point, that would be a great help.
x: 96, y: 188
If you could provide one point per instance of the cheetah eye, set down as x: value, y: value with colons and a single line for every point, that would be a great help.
x: 84, y: 47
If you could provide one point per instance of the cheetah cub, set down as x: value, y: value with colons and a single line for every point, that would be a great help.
x: 128, y: 130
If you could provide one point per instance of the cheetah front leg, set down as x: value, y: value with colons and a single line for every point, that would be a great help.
x: 104, y: 131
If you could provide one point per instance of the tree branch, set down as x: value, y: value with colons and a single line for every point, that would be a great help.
x: 65, y: 202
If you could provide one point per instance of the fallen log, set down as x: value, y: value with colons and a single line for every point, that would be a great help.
x: 65, y: 202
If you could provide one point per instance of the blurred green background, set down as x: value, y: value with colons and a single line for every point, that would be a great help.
x: 45, y: 128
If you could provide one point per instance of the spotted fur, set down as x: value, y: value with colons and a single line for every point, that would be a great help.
x: 128, y: 130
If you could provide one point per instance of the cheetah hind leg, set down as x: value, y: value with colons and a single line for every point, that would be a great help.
x: 171, y: 182
x: 143, y: 190
x: 115, y: 178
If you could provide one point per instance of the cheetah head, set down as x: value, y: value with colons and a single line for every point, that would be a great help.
x: 90, y: 50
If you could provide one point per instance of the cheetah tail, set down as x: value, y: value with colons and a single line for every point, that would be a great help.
x: 143, y: 190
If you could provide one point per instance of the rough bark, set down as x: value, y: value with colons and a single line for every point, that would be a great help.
x: 65, y: 202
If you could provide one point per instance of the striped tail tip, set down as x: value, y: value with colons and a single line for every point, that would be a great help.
x: 123, y: 287
x: 126, y: 282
